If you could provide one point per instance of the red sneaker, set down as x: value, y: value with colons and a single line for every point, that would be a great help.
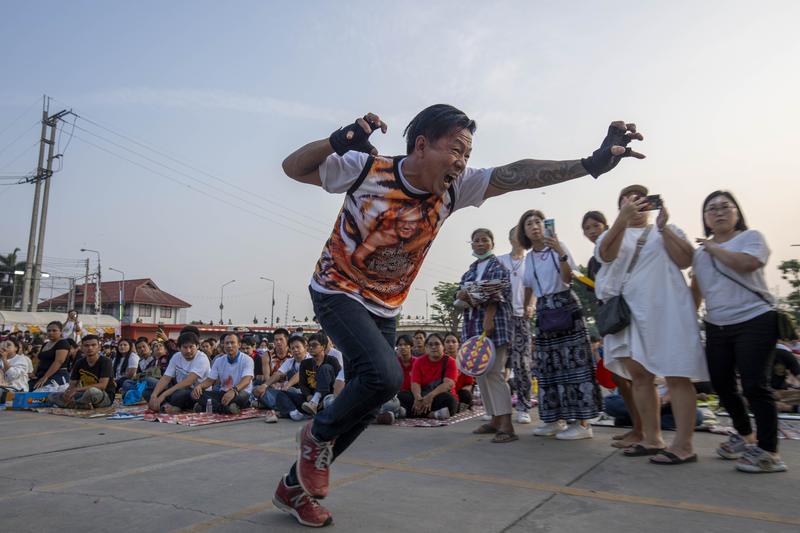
x: 313, y: 462
x: 304, y: 508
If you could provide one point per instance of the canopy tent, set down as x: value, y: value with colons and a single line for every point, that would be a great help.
x: 37, y: 322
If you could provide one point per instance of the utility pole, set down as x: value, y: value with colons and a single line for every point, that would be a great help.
x: 286, y: 316
x: 71, y: 298
x: 85, y: 284
x: 47, y: 173
x: 33, y: 259
x: 26, y: 284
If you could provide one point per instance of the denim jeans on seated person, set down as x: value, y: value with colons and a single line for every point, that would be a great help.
x: 267, y: 400
x: 182, y: 399
x: 374, y: 374
x: 287, y: 401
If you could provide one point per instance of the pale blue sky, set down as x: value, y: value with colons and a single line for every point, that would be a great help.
x: 232, y: 88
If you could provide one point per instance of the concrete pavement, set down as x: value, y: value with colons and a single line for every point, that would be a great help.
x: 69, y: 474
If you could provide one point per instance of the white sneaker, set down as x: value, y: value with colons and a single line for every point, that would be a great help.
x: 550, y: 429
x: 576, y: 432
x: 441, y: 414
x: 270, y: 417
x: 486, y: 418
x: 296, y: 415
x: 523, y: 417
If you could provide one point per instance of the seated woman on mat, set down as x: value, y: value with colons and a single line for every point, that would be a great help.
x: 433, y: 379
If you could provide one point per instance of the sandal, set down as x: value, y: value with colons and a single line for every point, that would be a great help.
x: 640, y: 450
x: 502, y: 437
x: 484, y: 429
x: 673, y: 459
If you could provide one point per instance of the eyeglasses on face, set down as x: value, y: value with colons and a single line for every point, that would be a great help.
x: 721, y: 208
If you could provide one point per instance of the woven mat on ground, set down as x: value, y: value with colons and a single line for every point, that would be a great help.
x: 789, y: 429
x: 201, y: 419
x: 102, y: 412
x: 432, y: 423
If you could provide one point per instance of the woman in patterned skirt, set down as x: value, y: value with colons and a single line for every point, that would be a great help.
x: 563, y: 356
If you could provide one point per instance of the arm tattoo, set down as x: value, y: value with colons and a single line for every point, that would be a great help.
x: 531, y: 174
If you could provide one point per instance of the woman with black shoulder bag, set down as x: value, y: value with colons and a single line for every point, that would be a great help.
x: 655, y: 333
x: 741, y: 330
x: 562, y: 357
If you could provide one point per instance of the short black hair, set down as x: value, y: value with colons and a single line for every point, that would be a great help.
x: 298, y: 337
x: 188, y: 337
x: 436, y: 335
x: 434, y: 122
x: 190, y: 329
x: 56, y: 323
x: 142, y: 339
x: 281, y: 331
x: 319, y: 337
x: 87, y: 338
x: 404, y: 338
x: 228, y: 334
x: 741, y: 225
x: 420, y: 331
x: 250, y: 341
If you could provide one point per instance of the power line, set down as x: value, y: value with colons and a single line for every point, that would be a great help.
x: 24, y: 152
x: 21, y: 135
x: 10, y: 124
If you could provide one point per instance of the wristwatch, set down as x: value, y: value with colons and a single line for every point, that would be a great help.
x: 564, y: 258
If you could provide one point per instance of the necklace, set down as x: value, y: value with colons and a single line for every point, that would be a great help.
x: 515, y: 265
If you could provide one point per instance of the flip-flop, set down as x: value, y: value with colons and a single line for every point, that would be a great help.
x: 502, y: 437
x: 639, y: 450
x: 484, y: 429
x: 673, y: 459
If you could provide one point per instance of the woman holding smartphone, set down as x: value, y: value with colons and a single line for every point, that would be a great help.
x: 741, y: 330
x: 643, y: 263
x: 563, y: 355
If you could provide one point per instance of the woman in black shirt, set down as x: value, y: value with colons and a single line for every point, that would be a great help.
x: 53, y: 360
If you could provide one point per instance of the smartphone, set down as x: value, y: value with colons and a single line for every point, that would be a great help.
x: 653, y: 202
x: 550, y: 228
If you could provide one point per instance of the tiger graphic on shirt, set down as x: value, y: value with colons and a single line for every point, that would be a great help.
x: 381, y: 236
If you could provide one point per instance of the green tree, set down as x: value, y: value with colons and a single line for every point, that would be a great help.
x: 790, y: 271
x: 10, y: 284
x: 444, y: 312
x: 588, y: 301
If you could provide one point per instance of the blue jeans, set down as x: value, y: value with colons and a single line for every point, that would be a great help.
x: 374, y: 374
x: 267, y: 400
x: 287, y: 401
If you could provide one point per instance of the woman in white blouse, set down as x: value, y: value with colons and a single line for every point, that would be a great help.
x: 663, y: 338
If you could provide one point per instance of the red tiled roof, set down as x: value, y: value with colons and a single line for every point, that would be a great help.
x: 140, y: 291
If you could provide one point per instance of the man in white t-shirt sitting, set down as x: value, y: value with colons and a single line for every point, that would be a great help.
x: 231, y: 376
x: 173, y: 392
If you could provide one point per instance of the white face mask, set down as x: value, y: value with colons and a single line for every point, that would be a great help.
x: 483, y: 256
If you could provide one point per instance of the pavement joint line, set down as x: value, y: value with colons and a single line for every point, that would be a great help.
x: 51, y: 488
x: 268, y: 505
x: 41, y: 433
x: 494, y: 480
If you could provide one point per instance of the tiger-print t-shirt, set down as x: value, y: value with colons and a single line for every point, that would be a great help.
x: 384, y: 229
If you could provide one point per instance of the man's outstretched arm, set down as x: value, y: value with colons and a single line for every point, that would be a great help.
x: 303, y: 164
x: 533, y: 173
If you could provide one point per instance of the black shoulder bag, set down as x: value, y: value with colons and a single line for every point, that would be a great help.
x: 786, y: 325
x: 552, y: 320
x: 615, y: 314
x: 427, y: 389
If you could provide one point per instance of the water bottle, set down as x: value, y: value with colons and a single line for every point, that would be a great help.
x: 209, y: 408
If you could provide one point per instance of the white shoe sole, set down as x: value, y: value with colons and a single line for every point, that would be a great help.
x: 755, y: 469
x: 289, y: 510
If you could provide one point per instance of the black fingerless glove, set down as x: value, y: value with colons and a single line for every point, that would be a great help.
x: 602, y: 160
x: 352, y: 137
